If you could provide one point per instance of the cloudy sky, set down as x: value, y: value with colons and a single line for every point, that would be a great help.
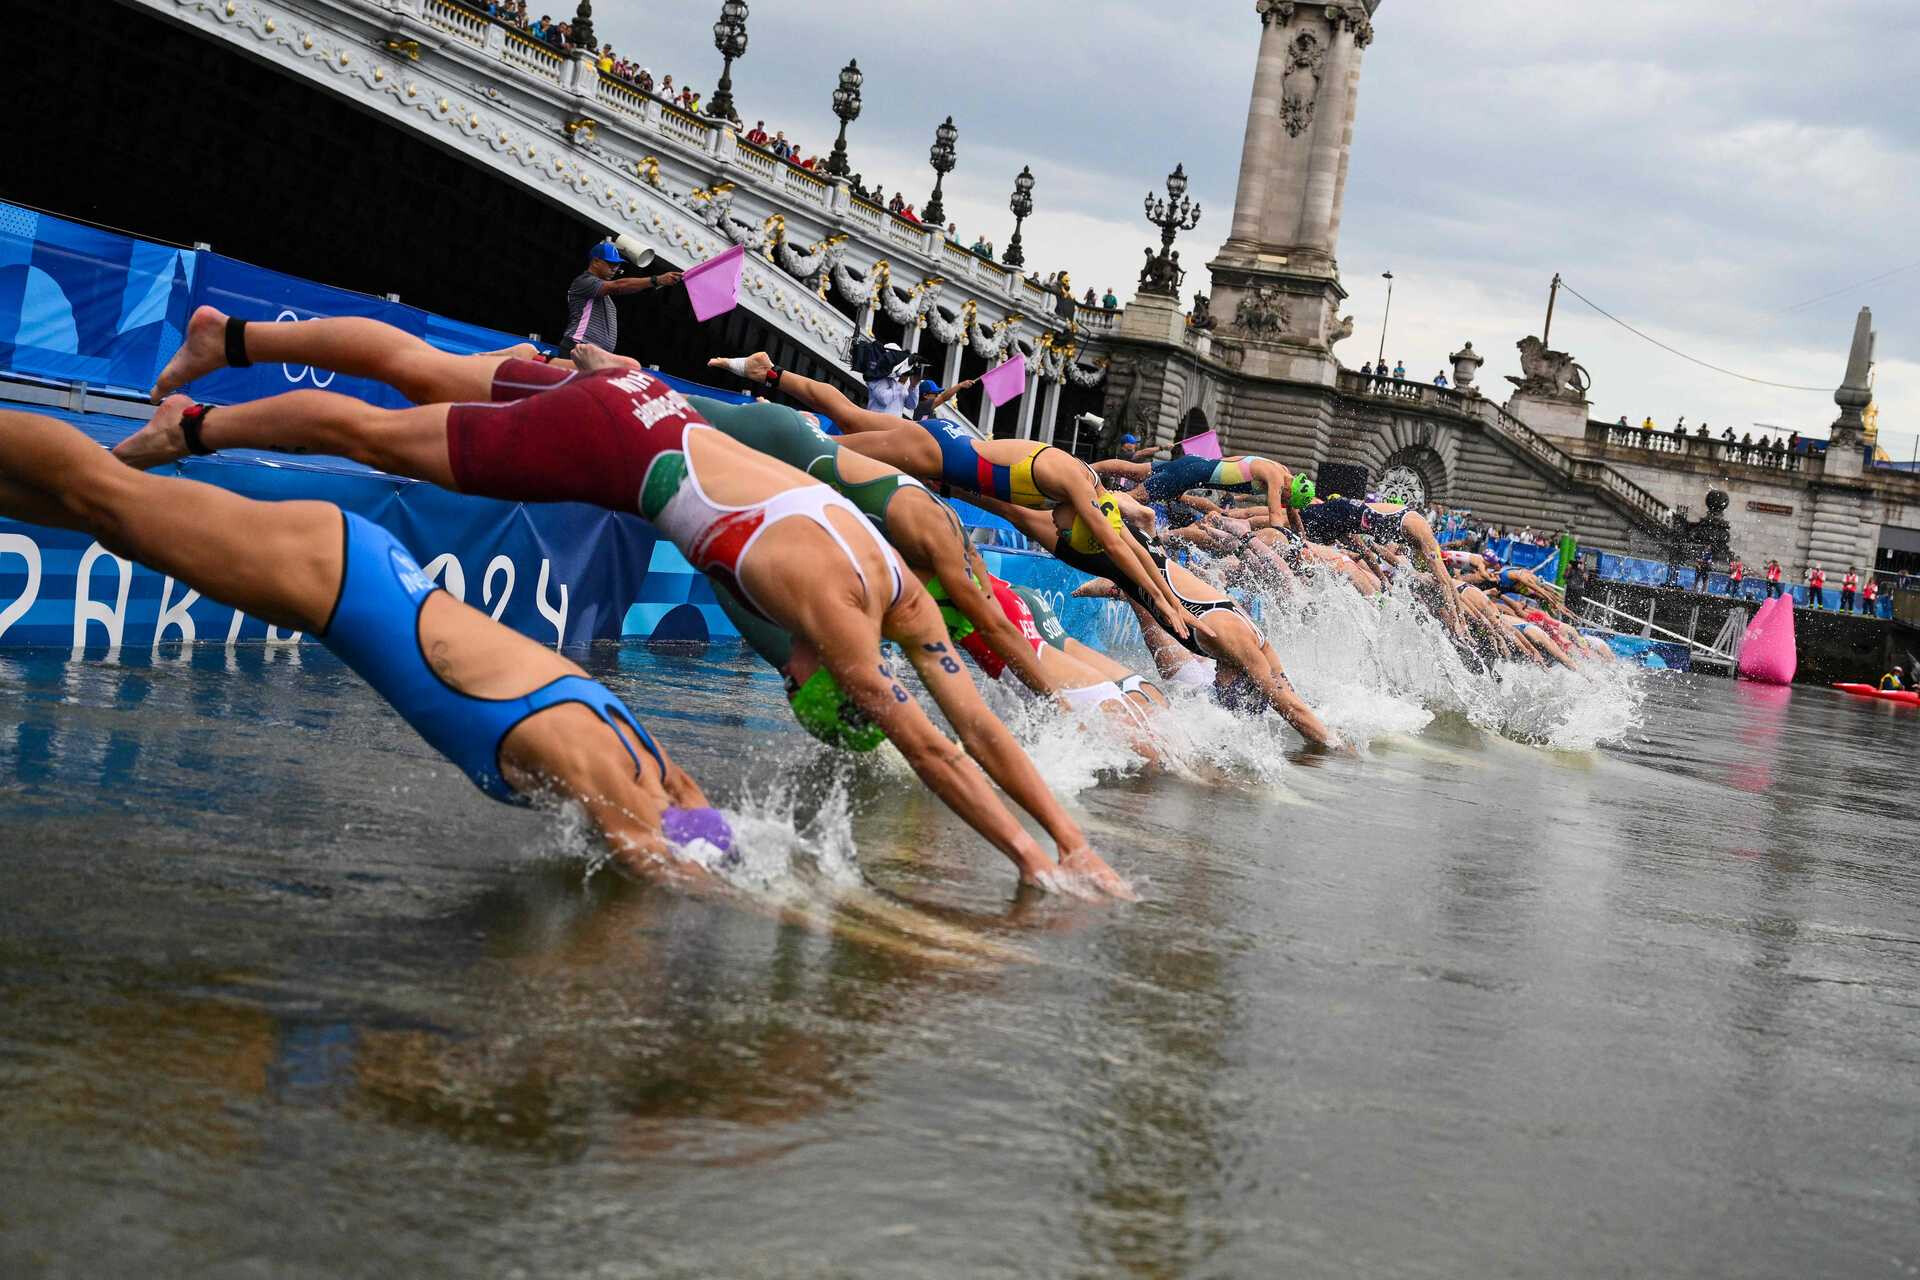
x: 1704, y: 170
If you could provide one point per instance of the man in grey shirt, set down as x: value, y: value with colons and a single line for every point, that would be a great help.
x: 590, y: 312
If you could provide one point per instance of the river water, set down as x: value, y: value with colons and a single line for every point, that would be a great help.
x: 1570, y: 976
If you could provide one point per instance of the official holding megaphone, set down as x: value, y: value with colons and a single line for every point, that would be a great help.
x: 590, y: 311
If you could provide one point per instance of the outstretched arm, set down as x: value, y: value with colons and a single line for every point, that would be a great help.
x: 915, y: 626
x: 1120, y: 468
x: 1127, y: 555
x: 962, y: 571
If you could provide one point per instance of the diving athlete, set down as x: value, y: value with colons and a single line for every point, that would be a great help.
x: 522, y: 722
x: 1085, y: 526
x: 790, y: 548
x: 1172, y: 478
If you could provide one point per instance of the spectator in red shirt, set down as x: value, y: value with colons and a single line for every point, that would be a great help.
x: 1870, y: 600
x: 1773, y: 579
x: 1736, y: 578
x: 758, y: 134
x: 1816, y: 587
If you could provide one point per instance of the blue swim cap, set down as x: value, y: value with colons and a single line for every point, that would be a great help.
x: 684, y: 826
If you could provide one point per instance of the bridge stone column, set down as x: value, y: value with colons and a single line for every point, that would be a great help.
x: 1050, y: 412
x: 1029, y: 397
x: 950, y: 374
x: 1276, y: 287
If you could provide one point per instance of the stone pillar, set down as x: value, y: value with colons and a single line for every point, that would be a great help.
x: 987, y: 410
x: 1276, y: 289
x: 951, y: 373
x: 1050, y: 412
x: 1029, y: 397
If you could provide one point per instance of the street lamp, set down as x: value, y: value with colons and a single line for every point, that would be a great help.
x: 1172, y: 215
x: 846, y: 105
x: 1022, y: 206
x: 942, y: 159
x: 583, y: 28
x: 1381, y: 363
x: 730, y: 38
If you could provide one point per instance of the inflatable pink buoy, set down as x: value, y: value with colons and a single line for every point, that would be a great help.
x: 1769, y: 655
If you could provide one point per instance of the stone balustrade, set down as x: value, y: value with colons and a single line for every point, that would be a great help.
x: 682, y: 183
x: 1715, y: 451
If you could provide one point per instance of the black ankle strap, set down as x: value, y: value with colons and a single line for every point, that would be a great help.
x: 237, y: 344
x: 191, y: 423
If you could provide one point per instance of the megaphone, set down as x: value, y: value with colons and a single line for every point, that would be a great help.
x: 633, y: 251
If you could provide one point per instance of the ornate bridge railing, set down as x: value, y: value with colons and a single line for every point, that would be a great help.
x: 1632, y: 500
x: 681, y: 184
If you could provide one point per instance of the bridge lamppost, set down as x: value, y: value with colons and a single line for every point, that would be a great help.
x: 1022, y: 207
x: 1172, y: 215
x: 730, y: 38
x: 1381, y: 362
x: 583, y: 28
x: 942, y: 158
x: 846, y: 105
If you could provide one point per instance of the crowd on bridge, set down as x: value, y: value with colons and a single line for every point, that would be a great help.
x: 1775, y: 450
x: 1384, y: 381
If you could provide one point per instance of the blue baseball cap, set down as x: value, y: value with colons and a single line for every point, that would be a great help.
x: 606, y: 251
x: 1129, y: 439
x: 928, y: 387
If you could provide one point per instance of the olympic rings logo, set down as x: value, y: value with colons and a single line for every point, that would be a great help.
x: 307, y: 372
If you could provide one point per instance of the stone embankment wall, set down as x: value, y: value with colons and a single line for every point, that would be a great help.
x: 1834, y: 647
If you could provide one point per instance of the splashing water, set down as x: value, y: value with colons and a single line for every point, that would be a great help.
x: 1383, y: 665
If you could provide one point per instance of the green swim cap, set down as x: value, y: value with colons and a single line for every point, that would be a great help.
x: 959, y: 626
x: 824, y: 711
x: 1301, y: 494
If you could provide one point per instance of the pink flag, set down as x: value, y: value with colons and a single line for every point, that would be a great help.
x: 714, y: 286
x: 1007, y: 381
x: 1769, y: 655
x: 1204, y: 445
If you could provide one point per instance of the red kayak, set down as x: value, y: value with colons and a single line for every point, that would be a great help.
x: 1868, y: 691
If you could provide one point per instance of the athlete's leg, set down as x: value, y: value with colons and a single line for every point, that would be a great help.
x: 821, y: 397
x: 406, y: 442
x: 353, y: 345
x: 1238, y: 650
x: 280, y: 561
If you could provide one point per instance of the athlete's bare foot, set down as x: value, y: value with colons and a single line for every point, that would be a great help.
x: 1097, y: 589
x: 161, y: 441
x: 204, y: 351
x: 591, y: 359
x: 753, y: 368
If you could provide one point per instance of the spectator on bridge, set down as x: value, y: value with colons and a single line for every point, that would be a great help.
x: 953, y: 234
x: 1816, y: 587
x: 895, y: 205
x: 591, y: 317
x: 1773, y: 579
x: 1746, y: 445
x: 643, y: 81
x: 1727, y: 437
x: 1440, y: 379
x: 1870, y: 599
x: 908, y: 214
x: 1848, y: 586
x: 1399, y: 371
x: 758, y: 134
x: 1366, y: 371
x: 1646, y: 432
x: 1700, y: 432
x: 1779, y: 453
x: 1091, y: 299
x: 1109, y: 301
x: 1679, y: 436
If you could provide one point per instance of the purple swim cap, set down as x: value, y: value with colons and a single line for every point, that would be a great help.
x: 684, y: 826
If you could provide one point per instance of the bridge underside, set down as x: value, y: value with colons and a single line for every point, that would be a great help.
x: 178, y: 138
